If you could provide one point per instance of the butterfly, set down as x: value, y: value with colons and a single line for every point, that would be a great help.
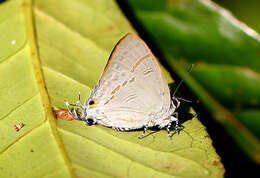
x: 132, y: 93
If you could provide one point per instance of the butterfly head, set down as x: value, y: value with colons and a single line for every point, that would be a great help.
x: 84, y: 112
x: 89, y: 111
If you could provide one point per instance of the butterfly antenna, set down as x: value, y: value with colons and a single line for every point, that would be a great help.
x: 182, y: 99
x: 188, y: 72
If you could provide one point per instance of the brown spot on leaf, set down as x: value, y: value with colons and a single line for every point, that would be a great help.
x: 18, y: 127
x: 171, y: 3
x: 257, y: 157
x: 111, y: 27
x: 239, y: 91
x: 170, y: 166
x: 63, y: 114
x: 215, y: 163
x: 206, y: 136
x: 201, y: 64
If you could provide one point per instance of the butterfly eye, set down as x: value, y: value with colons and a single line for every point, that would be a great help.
x: 92, y: 103
x: 90, y: 121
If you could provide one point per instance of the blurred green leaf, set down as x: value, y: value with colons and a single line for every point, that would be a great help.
x: 72, y: 44
x: 246, y: 11
x: 227, y: 58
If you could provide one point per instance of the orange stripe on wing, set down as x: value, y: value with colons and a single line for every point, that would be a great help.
x: 139, y: 62
x: 115, y: 90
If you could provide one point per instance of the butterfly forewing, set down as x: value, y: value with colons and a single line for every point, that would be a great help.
x: 132, y: 86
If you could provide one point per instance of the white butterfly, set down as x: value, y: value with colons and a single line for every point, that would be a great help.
x: 132, y: 92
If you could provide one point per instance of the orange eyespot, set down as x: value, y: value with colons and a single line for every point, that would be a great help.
x: 92, y: 103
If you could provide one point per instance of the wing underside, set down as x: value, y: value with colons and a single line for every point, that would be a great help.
x: 132, y: 87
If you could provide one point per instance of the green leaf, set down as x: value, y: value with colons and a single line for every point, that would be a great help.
x: 50, y: 51
x: 226, y: 54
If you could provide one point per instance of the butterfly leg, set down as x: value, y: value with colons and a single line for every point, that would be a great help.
x: 68, y: 108
x: 175, y: 118
x: 79, y: 102
x: 74, y: 114
x: 168, y: 129
x: 145, y: 128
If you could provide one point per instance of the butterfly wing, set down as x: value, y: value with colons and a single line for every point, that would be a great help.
x: 132, y: 86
